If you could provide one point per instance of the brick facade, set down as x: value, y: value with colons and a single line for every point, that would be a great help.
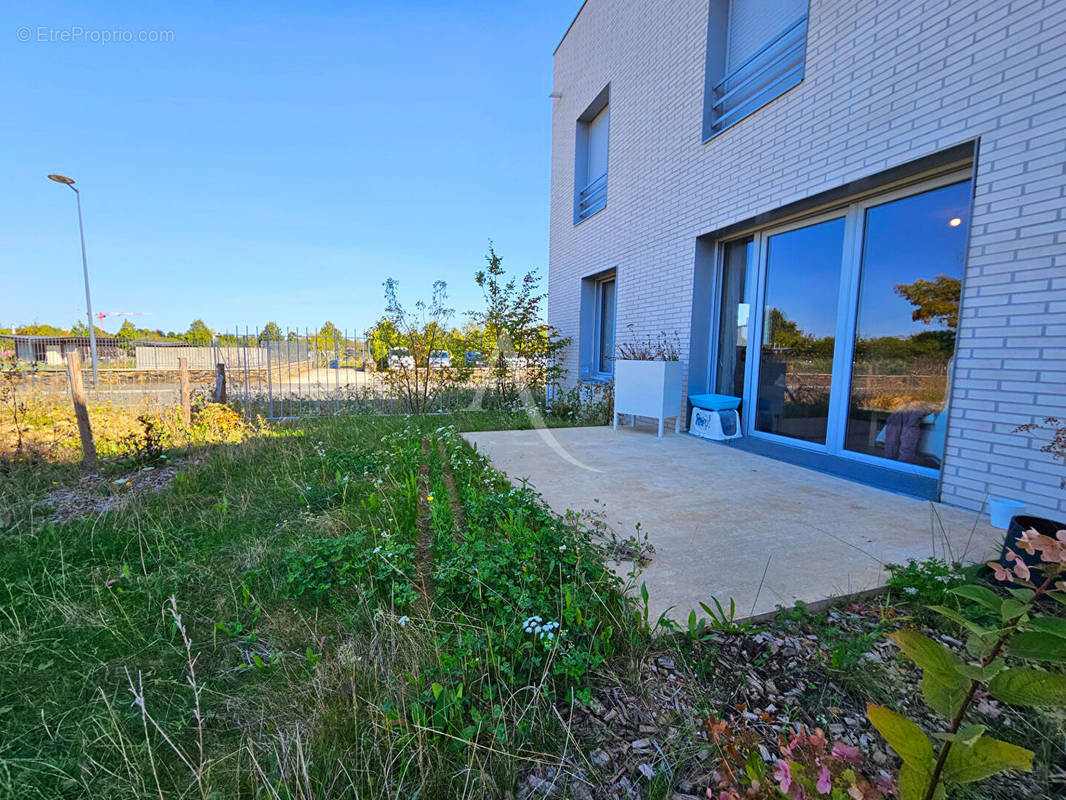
x: 886, y: 83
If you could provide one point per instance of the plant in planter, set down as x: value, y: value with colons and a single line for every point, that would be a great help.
x: 647, y: 379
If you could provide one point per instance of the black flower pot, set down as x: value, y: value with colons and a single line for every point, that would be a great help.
x: 1018, y: 526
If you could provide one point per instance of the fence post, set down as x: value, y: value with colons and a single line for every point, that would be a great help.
x: 220, y: 383
x: 183, y: 390
x: 81, y: 412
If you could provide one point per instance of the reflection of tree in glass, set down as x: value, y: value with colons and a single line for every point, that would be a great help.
x: 783, y: 333
x: 934, y: 301
x: 937, y: 346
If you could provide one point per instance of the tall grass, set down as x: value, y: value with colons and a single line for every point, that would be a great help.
x: 253, y: 630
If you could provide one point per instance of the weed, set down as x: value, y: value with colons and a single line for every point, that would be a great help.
x: 927, y: 582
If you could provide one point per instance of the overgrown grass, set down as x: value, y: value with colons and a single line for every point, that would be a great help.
x: 274, y: 626
x: 352, y: 607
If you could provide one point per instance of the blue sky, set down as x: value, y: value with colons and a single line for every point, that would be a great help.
x: 274, y: 160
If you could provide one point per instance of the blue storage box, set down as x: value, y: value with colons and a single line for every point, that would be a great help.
x: 715, y: 402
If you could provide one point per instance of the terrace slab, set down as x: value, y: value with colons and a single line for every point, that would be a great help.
x: 727, y: 523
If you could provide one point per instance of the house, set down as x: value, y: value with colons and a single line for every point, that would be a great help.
x: 869, y: 193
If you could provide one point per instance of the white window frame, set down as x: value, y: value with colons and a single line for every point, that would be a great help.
x: 854, y: 214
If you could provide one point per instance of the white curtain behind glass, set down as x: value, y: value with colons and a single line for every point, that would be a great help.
x: 753, y: 23
x: 597, y: 152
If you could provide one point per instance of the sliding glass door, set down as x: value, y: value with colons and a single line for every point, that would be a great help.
x: 855, y: 315
x: 910, y: 281
x: 799, y: 329
x: 734, y: 311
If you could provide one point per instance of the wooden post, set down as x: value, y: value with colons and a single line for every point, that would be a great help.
x: 220, y: 383
x: 183, y: 390
x: 81, y: 411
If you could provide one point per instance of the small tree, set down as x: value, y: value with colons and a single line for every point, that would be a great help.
x: 520, y: 344
x: 11, y: 380
x: 420, y: 331
x: 1056, y: 446
x: 271, y: 333
x: 127, y: 333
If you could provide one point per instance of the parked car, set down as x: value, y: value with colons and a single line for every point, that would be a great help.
x: 473, y: 358
x: 401, y: 357
x: 440, y: 359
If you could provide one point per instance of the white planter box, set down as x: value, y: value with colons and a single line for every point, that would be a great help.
x: 648, y: 389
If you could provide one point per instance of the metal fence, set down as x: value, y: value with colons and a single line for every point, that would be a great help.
x: 292, y: 375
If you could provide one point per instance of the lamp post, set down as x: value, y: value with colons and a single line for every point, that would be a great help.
x: 85, y: 271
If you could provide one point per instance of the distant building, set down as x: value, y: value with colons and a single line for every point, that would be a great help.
x: 51, y: 350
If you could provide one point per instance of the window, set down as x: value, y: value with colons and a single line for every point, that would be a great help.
x: 802, y: 278
x: 853, y: 320
x: 596, y: 342
x: 756, y: 51
x: 605, y: 327
x: 907, y: 314
x: 590, y: 159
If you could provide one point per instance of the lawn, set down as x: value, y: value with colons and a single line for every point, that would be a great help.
x: 363, y: 607
x: 339, y: 607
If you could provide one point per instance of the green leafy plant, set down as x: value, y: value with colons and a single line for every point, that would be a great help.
x: 718, y: 620
x: 415, y: 333
x: 354, y: 562
x: 950, y: 684
x: 927, y: 582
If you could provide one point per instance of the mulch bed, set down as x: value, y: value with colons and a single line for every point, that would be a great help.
x: 765, y: 682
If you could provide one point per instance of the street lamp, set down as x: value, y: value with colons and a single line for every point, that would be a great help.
x: 85, y: 270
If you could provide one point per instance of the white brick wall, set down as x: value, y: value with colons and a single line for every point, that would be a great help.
x: 887, y: 81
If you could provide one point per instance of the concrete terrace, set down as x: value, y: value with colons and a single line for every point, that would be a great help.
x: 716, y: 516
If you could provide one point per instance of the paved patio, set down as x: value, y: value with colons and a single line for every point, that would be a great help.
x: 717, y: 516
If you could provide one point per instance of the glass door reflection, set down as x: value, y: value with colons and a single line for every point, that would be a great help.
x: 733, y: 322
x: 799, y: 328
x: 909, y: 289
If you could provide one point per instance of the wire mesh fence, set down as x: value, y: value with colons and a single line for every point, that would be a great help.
x: 285, y: 375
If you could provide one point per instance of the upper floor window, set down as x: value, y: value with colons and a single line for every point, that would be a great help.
x: 590, y: 158
x: 756, y: 51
